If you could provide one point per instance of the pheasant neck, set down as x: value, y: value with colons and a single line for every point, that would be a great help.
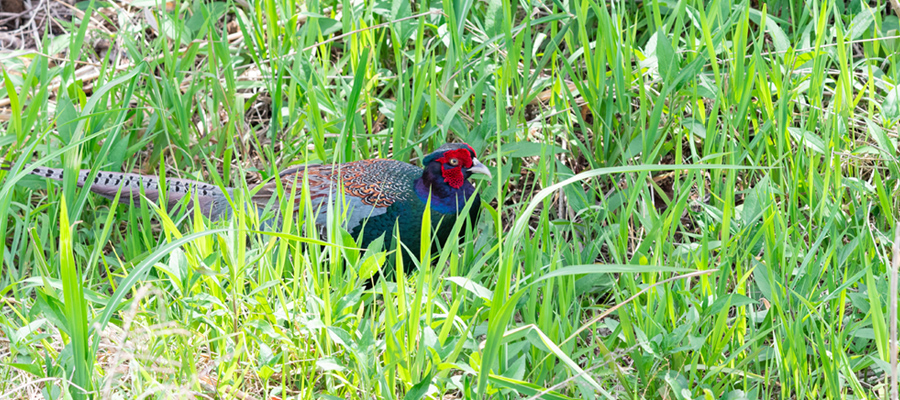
x: 444, y: 199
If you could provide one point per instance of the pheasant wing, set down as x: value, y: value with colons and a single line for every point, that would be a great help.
x: 361, y: 189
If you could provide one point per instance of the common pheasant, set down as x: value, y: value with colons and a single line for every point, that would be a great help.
x: 376, y: 194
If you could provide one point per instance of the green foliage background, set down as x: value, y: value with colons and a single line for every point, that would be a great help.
x: 691, y: 199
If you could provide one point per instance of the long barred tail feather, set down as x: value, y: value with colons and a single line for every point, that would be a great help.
x: 211, y: 199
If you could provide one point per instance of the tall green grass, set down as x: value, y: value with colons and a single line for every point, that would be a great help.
x: 690, y: 200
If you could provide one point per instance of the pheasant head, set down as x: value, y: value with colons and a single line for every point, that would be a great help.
x: 446, y: 175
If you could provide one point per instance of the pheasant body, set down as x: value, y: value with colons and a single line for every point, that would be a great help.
x: 374, y: 196
x: 377, y: 195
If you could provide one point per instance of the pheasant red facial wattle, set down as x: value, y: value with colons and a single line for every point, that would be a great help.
x: 452, y: 164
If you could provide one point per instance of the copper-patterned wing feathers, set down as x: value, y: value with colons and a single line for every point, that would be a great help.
x: 367, y: 186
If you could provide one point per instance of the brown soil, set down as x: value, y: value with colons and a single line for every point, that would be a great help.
x: 24, y: 23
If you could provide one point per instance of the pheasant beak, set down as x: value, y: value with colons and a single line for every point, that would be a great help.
x: 479, y: 168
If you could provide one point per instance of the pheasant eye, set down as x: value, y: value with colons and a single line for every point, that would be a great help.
x: 453, y: 162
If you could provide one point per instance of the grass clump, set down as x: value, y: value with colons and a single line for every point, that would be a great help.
x: 690, y: 200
